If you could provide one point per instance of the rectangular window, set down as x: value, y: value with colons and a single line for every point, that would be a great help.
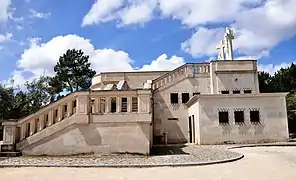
x: 247, y: 91
x: 239, y: 117
x: 185, y: 97
x: 223, y: 117
x: 254, y: 116
x: 225, y: 92
x: 174, y: 98
x: 196, y: 93
x: 113, y: 105
x: 124, y: 104
x: 134, y: 104
x: 236, y: 91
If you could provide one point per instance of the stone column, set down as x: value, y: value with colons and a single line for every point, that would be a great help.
x: 41, y: 122
x: 129, y: 104
x: 98, y: 105
x: 32, y: 126
x: 23, y: 130
x: 107, y: 103
x: 50, y: 118
x: 60, y: 113
x: 83, y: 108
x: 70, y: 108
x: 118, y: 104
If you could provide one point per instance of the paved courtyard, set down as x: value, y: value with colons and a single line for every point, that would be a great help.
x: 271, y: 163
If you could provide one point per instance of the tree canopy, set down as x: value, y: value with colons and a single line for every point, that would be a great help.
x: 73, y: 71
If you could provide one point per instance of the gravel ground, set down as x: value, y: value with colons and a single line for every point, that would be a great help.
x: 162, y: 157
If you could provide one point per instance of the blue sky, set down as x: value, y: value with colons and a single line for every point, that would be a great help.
x: 123, y: 35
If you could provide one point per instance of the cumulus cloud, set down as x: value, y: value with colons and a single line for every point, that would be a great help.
x: 273, y: 68
x: 259, y: 25
x: 4, y: 5
x: 40, y: 58
x: 133, y: 12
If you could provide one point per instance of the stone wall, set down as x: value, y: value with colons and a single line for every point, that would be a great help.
x: 98, y: 138
x: 273, y: 124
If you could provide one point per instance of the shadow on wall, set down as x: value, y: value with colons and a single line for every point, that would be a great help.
x: 162, y: 124
x: 90, y: 134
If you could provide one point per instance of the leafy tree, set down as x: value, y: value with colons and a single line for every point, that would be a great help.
x: 265, y: 85
x: 73, y: 71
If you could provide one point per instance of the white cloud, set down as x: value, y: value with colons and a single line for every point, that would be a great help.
x: 259, y: 24
x: 273, y: 68
x: 40, y: 58
x: 203, y: 42
x: 4, y: 5
x: 126, y: 13
x: 5, y: 37
x: 39, y: 15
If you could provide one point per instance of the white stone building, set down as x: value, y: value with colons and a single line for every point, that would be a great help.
x: 201, y: 103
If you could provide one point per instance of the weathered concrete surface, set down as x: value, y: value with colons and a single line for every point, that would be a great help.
x: 272, y: 163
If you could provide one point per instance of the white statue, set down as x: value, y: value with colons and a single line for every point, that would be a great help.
x: 221, y: 48
x: 225, y: 46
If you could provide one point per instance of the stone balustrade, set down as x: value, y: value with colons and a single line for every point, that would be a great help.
x: 182, y: 71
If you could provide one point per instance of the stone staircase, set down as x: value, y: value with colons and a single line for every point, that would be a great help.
x: 45, y: 122
x: 90, y: 112
x: 178, y: 74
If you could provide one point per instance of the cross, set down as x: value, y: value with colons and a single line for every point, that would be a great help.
x: 221, y: 48
x: 228, y: 42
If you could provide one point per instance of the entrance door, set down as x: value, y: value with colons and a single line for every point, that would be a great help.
x: 191, y: 127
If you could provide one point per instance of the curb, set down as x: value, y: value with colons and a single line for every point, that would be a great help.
x: 263, y: 145
x: 240, y: 156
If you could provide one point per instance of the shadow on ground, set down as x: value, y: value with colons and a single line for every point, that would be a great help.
x: 168, y: 150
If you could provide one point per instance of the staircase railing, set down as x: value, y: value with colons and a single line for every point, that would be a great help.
x: 185, y: 70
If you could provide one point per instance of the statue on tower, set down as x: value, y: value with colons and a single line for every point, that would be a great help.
x: 225, y: 46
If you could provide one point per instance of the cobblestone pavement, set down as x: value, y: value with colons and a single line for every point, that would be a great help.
x: 163, y: 156
x: 264, y: 163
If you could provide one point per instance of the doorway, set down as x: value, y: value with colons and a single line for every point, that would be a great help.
x: 191, y: 127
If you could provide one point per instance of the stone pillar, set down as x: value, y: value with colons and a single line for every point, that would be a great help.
x: 60, y: 113
x: 107, y: 103
x: 32, y: 126
x: 50, y: 118
x: 10, y: 136
x: 98, y: 105
x: 69, y: 108
x: 83, y: 108
x: 41, y: 122
x: 23, y: 132
x: 129, y: 104
x: 118, y: 104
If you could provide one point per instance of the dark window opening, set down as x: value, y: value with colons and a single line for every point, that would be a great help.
x: 185, y: 97
x: 225, y: 92
x: 173, y: 119
x: 255, y: 116
x: 247, y: 91
x: 223, y: 117
x: 124, y: 104
x: 174, y: 98
x: 236, y: 91
x: 196, y: 93
x: 113, y: 105
x: 239, y: 117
